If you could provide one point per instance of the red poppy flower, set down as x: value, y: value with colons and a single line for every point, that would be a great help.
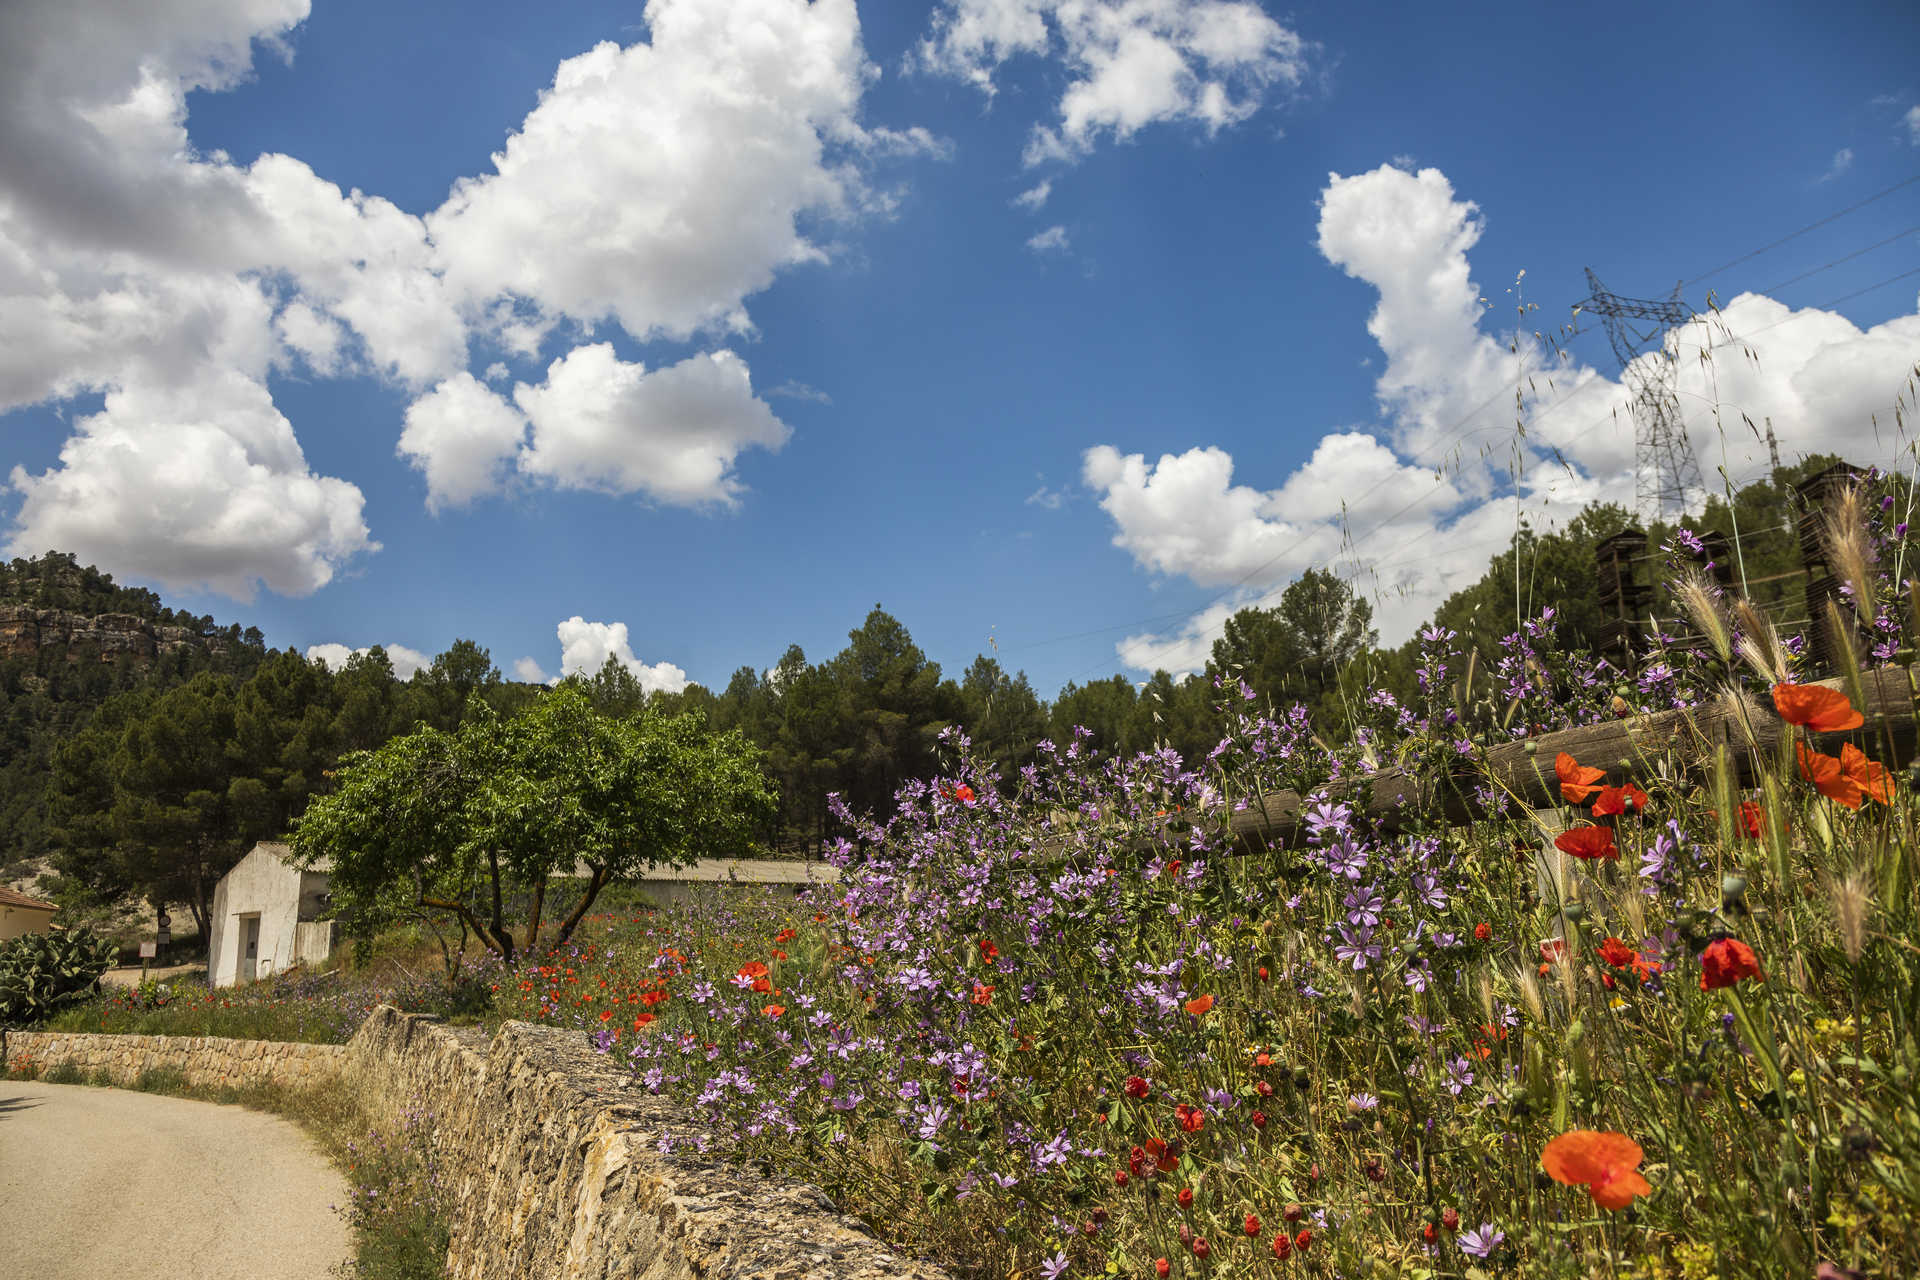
x: 1303, y: 1239
x: 982, y: 994
x: 963, y: 793
x: 1753, y: 818
x: 774, y: 1010
x: 785, y: 935
x: 987, y: 950
x: 1281, y: 1245
x: 753, y: 969
x: 641, y: 1019
x: 1613, y: 800
x: 1199, y: 1005
x: 1553, y: 949
x: 1483, y: 931
x: 1606, y: 1164
x: 1165, y: 1156
x: 1869, y: 775
x: 1816, y: 707
x: 762, y: 985
x: 1137, y: 1087
x: 1617, y: 953
x: 1725, y: 962
x: 1119, y: 1177
x: 1201, y: 1249
x: 1259, y: 1119
x: 1577, y: 782
x: 1828, y: 778
x: 1587, y: 842
x: 1191, y: 1118
x: 1161, y: 1267
x: 1185, y: 1197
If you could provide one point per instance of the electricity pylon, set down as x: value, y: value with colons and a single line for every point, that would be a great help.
x: 1664, y: 466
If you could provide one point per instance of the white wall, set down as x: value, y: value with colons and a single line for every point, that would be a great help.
x: 260, y: 883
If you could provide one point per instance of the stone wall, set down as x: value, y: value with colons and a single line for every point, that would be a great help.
x: 556, y: 1171
x: 551, y: 1155
x: 208, y: 1061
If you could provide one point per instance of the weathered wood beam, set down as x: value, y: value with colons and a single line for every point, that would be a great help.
x: 1630, y: 750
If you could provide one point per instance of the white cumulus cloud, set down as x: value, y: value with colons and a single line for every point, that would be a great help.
x: 586, y: 646
x: 604, y: 424
x: 463, y: 437
x: 405, y: 661
x: 1411, y: 509
x: 1128, y: 63
x: 1052, y: 240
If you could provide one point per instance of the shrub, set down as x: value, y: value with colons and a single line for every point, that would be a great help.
x: 42, y: 973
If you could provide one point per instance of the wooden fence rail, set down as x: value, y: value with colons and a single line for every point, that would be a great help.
x: 1631, y: 749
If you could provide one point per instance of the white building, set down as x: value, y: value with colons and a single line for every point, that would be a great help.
x: 265, y: 918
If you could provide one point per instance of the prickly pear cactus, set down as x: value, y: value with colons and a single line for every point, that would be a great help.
x: 42, y: 973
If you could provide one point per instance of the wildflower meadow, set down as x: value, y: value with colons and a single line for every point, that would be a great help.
x: 1653, y: 1014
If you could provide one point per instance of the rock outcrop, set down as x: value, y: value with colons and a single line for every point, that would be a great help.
x: 25, y: 631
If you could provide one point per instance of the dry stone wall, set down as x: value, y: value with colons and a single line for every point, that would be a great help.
x: 552, y: 1156
x: 203, y: 1061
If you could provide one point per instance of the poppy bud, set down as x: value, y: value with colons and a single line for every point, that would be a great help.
x: 1200, y: 1249
x: 1450, y: 1219
x: 1429, y: 1233
x: 1119, y: 1177
x: 1251, y: 1225
x: 1185, y: 1197
x: 1186, y: 1234
x: 1263, y: 973
x: 1313, y: 1172
x: 1302, y: 1240
x: 1262, y: 1088
x: 1259, y: 1119
x: 1301, y: 1077
x: 1161, y: 1267
x: 1281, y: 1245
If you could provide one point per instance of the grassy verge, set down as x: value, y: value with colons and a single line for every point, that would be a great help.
x: 396, y: 1213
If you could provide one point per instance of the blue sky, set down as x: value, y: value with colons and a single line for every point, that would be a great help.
x: 687, y: 331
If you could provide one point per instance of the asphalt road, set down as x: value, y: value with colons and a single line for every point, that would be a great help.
x: 105, y: 1184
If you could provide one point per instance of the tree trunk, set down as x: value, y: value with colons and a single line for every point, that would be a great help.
x: 595, y: 883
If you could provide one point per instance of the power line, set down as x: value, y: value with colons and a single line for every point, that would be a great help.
x: 1794, y: 235
x: 1837, y: 261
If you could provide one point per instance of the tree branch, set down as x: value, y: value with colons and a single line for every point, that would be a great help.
x: 595, y: 882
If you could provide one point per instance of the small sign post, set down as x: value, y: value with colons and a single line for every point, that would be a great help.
x: 147, y: 952
x: 164, y: 931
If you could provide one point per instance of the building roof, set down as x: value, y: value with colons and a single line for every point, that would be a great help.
x: 14, y: 898
x: 284, y: 851
x: 747, y: 871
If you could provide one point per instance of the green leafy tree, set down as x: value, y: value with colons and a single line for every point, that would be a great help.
x: 1002, y: 714
x: 459, y: 821
x: 1104, y: 708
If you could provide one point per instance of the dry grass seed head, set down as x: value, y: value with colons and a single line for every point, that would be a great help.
x: 1759, y: 643
x: 1844, y: 537
x: 1852, y: 904
x: 1530, y: 993
x: 1703, y: 606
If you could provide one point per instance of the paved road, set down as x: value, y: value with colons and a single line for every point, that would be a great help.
x: 105, y: 1184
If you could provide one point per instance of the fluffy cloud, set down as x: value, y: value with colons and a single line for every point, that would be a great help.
x: 462, y: 436
x: 1129, y: 63
x: 1912, y: 121
x: 1412, y: 510
x: 661, y: 184
x: 1842, y: 161
x: 657, y: 185
x: 405, y: 661
x: 586, y: 646
x: 529, y: 671
x: 1034, y: 198
x: 200, y: 486
x: 604, y: 424
x: 1052, y: 240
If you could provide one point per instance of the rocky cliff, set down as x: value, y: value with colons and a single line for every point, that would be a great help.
x: 25, y: 631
